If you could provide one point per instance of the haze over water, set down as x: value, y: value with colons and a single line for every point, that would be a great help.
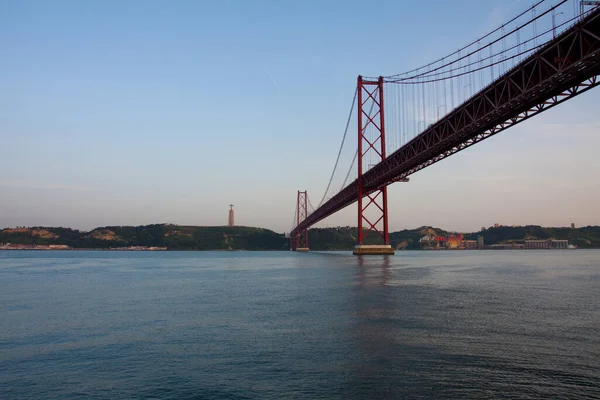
x: 272, y: 325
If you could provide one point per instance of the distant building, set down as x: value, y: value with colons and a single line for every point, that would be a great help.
x: 480, y: 244
x: 496, y: 225
x: 547, y: 244
x: 501, y: 246
x: 537, y: 244
x: 426, y: 238
x: 455, y: 241
x: 560, y: 244
x: 59, y: 247
x: 572, y: 225
x: 470, y: 244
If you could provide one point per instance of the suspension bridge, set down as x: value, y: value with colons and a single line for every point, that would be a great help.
x: 409, y: 121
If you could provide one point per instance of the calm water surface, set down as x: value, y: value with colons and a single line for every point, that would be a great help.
x: 244, y: 325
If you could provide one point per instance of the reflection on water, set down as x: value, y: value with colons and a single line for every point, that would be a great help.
x: 471, y: 328
x: 373, y: 269
x: 379, y: 355
x: 213, y: 325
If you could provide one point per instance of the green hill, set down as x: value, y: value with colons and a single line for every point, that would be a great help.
x: 175, y: 237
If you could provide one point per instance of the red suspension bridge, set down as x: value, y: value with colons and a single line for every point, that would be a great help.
x: 526, y: 66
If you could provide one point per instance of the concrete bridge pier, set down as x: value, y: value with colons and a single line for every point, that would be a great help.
x: 372, y: 249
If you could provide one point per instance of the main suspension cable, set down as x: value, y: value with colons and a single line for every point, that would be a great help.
x: 294, y: 222
x: 341, y: 147
x: 310, y: 204
x: 480, y: 61
x: 481, y: 49
x: 470, y: 44
x: 350, y: 170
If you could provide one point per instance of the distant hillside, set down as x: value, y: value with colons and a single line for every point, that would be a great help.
x: 585, y: 237
x: 408, y: 239
x: 178, y: 237
x: 174, y: 237
x: 344, y: 238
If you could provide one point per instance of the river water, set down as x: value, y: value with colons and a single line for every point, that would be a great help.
x: 275, y: 325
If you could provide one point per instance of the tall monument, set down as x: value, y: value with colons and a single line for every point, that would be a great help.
x: 230, y: 222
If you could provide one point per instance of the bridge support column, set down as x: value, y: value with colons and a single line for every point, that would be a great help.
x: 373, y: 209
x: 301, y: 238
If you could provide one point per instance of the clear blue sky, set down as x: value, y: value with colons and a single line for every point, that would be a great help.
x: 137, y: 112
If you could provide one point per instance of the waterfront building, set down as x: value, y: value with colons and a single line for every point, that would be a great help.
x: 501, y: 246
x: 546, y: 244
x: 560, y: 244
x: 454, y: 241
x: 480, y: 244
x: 470, y: 244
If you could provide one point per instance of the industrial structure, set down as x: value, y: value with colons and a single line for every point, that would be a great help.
x: 509, y: 75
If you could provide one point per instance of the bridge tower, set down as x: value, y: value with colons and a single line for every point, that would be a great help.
x: 300, y: 241
x: 373, y: 209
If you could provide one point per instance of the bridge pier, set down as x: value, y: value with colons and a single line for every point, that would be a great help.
x: 372, y: 249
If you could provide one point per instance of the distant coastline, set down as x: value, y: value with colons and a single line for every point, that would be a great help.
x: 167, y: 237
x: 62, y: 247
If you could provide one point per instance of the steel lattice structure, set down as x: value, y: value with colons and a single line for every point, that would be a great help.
x: 299, y: 237
x: 371, y: 93
x: 563, y: 68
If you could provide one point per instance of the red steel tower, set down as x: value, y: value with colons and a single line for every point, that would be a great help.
x: 301, y: 238
x: 371, y: 149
